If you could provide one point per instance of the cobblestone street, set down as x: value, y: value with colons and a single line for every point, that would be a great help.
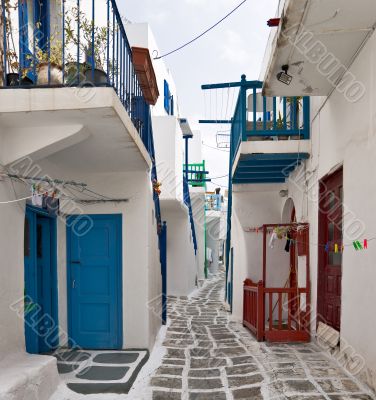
x: 209, y: 357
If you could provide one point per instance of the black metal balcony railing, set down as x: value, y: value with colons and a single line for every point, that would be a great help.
x: 79, y: 43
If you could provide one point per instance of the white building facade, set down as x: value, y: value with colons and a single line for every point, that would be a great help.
x: 80, y: 213
x: 185, y: 263
x: 323, y: 180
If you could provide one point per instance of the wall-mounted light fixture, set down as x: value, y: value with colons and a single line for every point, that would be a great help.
x: 283, y: 76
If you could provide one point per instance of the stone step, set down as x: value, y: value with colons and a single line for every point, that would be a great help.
x: 28, y: 376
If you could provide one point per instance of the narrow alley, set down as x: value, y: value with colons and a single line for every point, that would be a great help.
x: 209, y: 357
x: 187, y: 208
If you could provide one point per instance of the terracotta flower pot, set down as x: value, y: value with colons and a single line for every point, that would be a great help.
x: 49, y: 74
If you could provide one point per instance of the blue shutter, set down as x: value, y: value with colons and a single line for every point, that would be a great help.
x: 172, y: 105
x: 166, y: 97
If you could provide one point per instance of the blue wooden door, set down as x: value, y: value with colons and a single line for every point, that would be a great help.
x: 41, y: 325
x: 94, y: 282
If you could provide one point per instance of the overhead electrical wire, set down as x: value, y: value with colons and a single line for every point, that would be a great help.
x: 201, y: 34
x: 220, y: 185
x: 66, y: 186
x: 219, y: 177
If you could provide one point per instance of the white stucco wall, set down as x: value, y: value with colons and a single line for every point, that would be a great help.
x: 141, y: 266
x: 11, y: 270
x: 254, y: 206
x: 168, y: 141
x: 181, y: 271
x: 213, y: 230
x: 195, y: 148
x: 140, y: 35
x: 344, y: 133
x: 141, y: 269
x: 169, y: 151
x: 198, y: 209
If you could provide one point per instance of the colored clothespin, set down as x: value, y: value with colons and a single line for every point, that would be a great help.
x: 336, y: 248
x: 365, y: 244
x: 355, y: 246
x: 327, y: 247
x: 343, y: 248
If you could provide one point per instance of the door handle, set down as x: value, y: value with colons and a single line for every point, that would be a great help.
x: 73, y: 284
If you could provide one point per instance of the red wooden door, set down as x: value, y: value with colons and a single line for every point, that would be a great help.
x: 330, y: 250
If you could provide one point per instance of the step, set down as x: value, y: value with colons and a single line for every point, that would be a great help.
x: 28, y: 377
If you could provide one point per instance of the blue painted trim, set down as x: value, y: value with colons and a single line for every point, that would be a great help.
x: 232, y: 280
x: 163, y: 258
x: 215, y: 121
x: 259, y: 175
x: 118, y: 218
x: 307, y: 117
x: 257, y: 180
x: 240, y: 170
x: 30, y: 289
x: 31, y: 339
x: 257, y: 84
x: 275, y: 156
x: 277, y: 132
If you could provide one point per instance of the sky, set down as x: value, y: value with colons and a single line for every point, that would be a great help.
x: 233, y: 48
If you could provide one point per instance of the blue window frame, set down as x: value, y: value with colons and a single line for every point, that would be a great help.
x: 34, y: 21
x: 168, y: 99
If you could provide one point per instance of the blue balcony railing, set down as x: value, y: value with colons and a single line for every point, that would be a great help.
x: 79, y: 43
x: 258, y: 117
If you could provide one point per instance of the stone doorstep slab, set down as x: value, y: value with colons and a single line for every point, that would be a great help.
x: 327, y: 335
x: 103, y: 373
x: 26, y: 376
x: 120, y: 377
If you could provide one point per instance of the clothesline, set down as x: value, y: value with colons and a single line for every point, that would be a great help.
x: 283, y: 230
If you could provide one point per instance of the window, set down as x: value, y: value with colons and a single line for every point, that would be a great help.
x: 168, y: 99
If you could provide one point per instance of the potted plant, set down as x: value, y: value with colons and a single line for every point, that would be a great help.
x: 49, y: 64
x: 92, y: 69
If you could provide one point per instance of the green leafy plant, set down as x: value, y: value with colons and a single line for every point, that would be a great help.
x: 11, y: 54
x: 85, y: 41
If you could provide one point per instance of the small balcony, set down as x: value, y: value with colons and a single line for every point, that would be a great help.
x: 269, y: 135
x: 196, y: 174
x: 74, y: 54
x: 213, y: 202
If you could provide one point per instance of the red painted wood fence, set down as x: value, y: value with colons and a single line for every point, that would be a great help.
x: 286, y: 326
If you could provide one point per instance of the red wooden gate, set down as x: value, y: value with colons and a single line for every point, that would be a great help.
x: 288, y: 321
x: 253, y: 308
